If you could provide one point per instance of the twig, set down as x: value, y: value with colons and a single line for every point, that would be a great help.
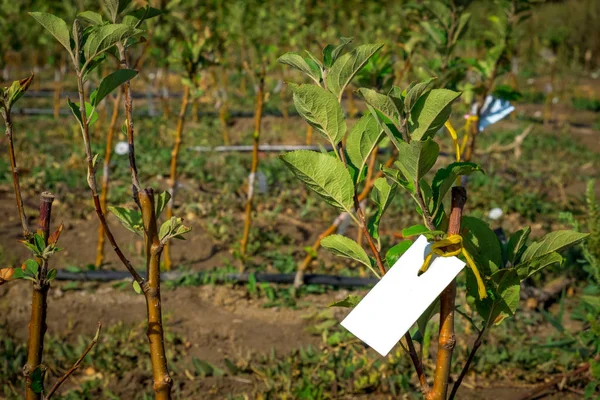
x: 515, y: 145
x: 15, y: 172
x: 476, y: 345
x: 76, y: 365
x: 412, y: 352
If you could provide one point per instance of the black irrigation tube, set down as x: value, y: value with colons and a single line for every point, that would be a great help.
x: 309, y: 279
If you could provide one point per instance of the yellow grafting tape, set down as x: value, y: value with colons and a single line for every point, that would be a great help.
x: 439, y: 248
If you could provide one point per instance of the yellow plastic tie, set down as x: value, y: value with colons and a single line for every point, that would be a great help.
x: 455, y: 244
x: 470, y: 119
x: 454, y: 136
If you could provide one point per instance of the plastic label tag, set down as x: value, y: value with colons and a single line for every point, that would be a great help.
x: 395, y: 303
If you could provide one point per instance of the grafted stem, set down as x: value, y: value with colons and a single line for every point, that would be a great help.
x: 39, y: 306
x: 447, y: 339
x: 160, y: 371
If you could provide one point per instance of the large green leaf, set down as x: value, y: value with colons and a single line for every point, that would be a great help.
x: 91, y: 17
x: 331, y: 52
x: 382, y: 103
x: 382, y: 195
x: 483, y: 245
x: 430, y: 113
x: 530, y: 267
x: 516, y: 245
x: 414, y: 94
x: 323, y: 174
x: 112, y: 8
x: 131, y: 219
x: 445, y: 178
x: 362, y: 139
x: 56, y: 26
x: 104, y: 37
x: 298, y: 62
x: 505, y: 286
x: 554, y: 241
x: 416, y: 158
x: 345, y: 67
x: 110, y: 83
x: 346, y: 247
x: 321, y: 110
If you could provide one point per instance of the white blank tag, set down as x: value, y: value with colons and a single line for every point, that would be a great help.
x: 395, y: 303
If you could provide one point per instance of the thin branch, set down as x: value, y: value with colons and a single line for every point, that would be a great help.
x: 15, y: 172
x: 129, y: 118
x: 76, y: 365
x: 91, y: 178
x: 476, y: 345
x: 412, y: 352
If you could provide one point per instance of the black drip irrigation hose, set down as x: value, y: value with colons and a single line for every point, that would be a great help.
x: 309, y: 279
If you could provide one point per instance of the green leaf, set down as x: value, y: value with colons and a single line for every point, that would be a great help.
x: 321, y: 110
x: 552, y: 242
x: 508, y: 290
x: 528, y: 268
x: 516, y: 245
x: 505, y: 286
x: 395, y: 252
x: 346, y: 247
x: 130, y: 219
x: 362, y: 140
x: 37, y: 380
x: 382, y: 196
x: 296, y: 61
x: 112, y: 8
x: 331, y: 52
x: 91, y: 17
x: 424, y: 319
x: 414, y: 94
x: 160, y: 202
x: 484, y: 241
x: 104, y: 37
x: 136, y: 287
x: 382, y: 103
x: 435, y: 33
x: 345, y: 67
x: 89, y: 109
x: 110, y: 83
x: 349, y: 302
x: 56, y: 26
x: 462, y: 24
x: 323, y: 174
x: 40, y: 243
x: 445, y: 177
x: 52, y: 274
x: 430, y: 113
x: 419, y: 229
x: 31, y: 268
x: 416, y: 158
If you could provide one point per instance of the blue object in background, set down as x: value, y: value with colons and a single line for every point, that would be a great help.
x: 493, y: 111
